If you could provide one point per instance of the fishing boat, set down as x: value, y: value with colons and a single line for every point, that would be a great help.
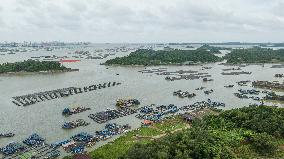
x: 229, y: 86
x: 127, y: 102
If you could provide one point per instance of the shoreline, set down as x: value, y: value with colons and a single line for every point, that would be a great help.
x: 177, y: 64
x: 197, y: 64
x: 256, y: 63
x: 40, y: 72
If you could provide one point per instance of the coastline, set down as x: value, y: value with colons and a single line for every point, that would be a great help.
x: 174, y: 64
x: 40, y: 72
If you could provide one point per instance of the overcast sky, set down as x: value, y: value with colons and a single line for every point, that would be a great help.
x: 142, y: 20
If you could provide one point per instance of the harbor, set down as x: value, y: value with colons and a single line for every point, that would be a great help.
x: 99, y: 106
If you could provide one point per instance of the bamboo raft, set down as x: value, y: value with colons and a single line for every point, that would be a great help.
x: 30, y: 99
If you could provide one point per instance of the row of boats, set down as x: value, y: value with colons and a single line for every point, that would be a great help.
x: 77, y: 143
x: 202, y: 105
x: 36, y: 147
x: 208, y: 91
x: 279, y: 75
x: 244, y: 96
x: 236, y: 73
x: 156, y: 114
x: 33, y: 141
x: 127, y: 102
x: 268, y: 85
x: 75, y: 124
x: 110, y: 114
x: 183, y: 94
x: 70, y: 111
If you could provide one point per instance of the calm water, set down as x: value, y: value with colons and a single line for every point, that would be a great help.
x: 45, y: 118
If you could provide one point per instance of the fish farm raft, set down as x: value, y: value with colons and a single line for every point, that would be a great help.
x: 30, y: 99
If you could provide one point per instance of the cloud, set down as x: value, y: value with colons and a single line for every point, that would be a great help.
x: 142, y: 21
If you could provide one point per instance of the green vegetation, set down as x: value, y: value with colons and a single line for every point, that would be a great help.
x: 249, y: 132
x: 213, y: 49
x: 31, y: 66
x: 162, y: 57
x: 143, y: 135
x: 255, y: 55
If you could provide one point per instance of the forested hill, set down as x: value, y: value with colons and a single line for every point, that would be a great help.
x: 255, y: 55
x: 248, y: 132
x: 31, y: 66
x: 162, y: 57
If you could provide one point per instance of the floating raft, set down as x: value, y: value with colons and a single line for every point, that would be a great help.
x: 236, y: 73
x: 127, y: 102
x: 74, y: 124
x: 104, y: 116
x: 268, y: 85
x: 70, y: 111
x: 30, y: 99
x: 39, y: 152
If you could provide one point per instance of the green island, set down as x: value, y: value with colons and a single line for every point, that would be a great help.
x: 248, y: 132
x: 255, y: 55
x: 213, y: 49
x: 162, y: 57
x: 33, y: 66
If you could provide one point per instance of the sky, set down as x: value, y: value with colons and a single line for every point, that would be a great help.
x: 142, y: 21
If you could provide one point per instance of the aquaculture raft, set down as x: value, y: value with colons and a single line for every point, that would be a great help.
x: 183, y: 94
x: 127, y: 102
x: 156, y: 114
x: 30, y: 99
x: 236, y: 73
x: 75, y: 124
x: 70, y: 111
x: 110, y: 114
x: 268, y: 85
x: 203, y: 104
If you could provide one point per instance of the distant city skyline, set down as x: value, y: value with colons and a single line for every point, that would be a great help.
x: 142, y: 21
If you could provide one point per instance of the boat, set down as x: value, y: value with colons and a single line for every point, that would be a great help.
x: 70, y: 111
x: 229, y: 86
x: 127, y: 102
